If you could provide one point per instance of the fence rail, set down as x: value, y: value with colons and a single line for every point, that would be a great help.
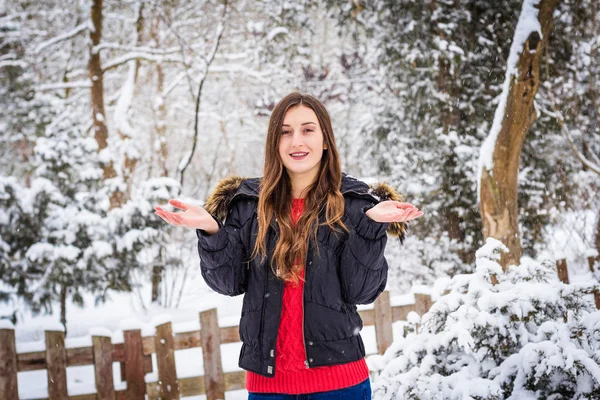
x: 135, y: 355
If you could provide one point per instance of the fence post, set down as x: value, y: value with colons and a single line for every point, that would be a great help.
x: 383, y: 322
x: 561, y: 270
x: 8, y: 364
x: 422, y: 303
x: 102, y: 350
x: 168, y: 386
x: 591, y: 261
x: 134, y: 364
x: 56, y: 365
x: 210, y: 336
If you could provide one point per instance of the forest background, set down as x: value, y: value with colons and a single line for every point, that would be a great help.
x: 108, y: 108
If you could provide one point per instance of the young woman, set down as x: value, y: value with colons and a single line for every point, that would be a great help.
x: 305, y: 244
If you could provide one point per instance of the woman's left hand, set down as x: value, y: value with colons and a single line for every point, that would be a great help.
x: 393, y: 211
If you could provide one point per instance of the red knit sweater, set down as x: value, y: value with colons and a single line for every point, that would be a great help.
x: 291, y: 374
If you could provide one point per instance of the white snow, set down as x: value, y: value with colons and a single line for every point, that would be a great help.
x: 130, y: 324
x: 450, y: 355
x: 53, y: 326
x: 100, y: 331
x: 6, y: 324
x: 276, y: 31
x: 161, y: 319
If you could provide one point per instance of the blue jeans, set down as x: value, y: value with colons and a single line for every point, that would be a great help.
x: 362, y: 391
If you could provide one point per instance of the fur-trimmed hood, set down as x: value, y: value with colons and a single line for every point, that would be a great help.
x: 218, y: 201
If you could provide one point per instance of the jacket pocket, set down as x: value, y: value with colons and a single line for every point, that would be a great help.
x: 326, y: 323
x: 249, y: 328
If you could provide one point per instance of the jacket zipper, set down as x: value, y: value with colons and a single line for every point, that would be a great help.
x: 303, y: 289
x: 303, y: 286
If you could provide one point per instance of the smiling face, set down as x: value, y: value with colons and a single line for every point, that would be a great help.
x: 301, y: 144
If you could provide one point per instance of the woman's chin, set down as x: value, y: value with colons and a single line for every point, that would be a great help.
x: 300, y: 169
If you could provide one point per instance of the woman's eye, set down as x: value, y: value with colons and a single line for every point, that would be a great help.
x: 286, y: 132
x: 309, y: 130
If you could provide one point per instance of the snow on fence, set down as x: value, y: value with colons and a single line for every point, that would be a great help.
x: 135, y: 354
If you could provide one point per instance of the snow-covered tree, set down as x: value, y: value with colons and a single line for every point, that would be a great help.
x: 438, y: 70
x: 143, y: 244
x: 529, y: 336
x: 441, y: 67
x: 500, y: 154
x: 60, y: 238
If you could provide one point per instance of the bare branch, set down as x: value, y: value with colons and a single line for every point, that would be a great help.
x: 84, y: 26
x: 563, y: 128
x: 595, y: 168
x: 13, y: 63
x: 219, y: 34
x: 260, y: 75
x: 135, y: 49
x: 65, y: 85
x: 139, y: 56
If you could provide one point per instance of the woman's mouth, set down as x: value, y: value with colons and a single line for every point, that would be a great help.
x: 299, y: 156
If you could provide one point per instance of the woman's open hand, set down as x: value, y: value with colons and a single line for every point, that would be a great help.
x: 393, y: 211
x: 194, y: 217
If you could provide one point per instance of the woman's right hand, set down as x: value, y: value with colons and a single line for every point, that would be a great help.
x: 194, y: 217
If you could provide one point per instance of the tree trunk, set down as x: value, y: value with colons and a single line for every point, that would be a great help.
x: 130, y: 163
x: 97, y: 95
x: 63, y: 307
x: 597, y: 238
x: 161, y: 106
x: 160, y: 136
x: 157, y: 272
x: 498, y: 186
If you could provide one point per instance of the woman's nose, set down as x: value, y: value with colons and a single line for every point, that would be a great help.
x: 296, y: 139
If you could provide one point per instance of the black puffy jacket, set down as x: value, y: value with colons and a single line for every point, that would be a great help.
x: 350, y: 270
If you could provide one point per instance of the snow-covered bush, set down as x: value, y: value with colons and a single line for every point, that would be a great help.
x: 529, y: 336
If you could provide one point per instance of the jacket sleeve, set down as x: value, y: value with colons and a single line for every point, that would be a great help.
x: 363, y: 269
x: 223, y: 260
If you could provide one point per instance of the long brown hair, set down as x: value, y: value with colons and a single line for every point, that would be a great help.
x: 275, y: 197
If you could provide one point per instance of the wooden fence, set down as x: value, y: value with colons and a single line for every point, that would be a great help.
x: 135, y: 353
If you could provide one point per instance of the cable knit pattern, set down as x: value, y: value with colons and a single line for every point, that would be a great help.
x: 291, y: 374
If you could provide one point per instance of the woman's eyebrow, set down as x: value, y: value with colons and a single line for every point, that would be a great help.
x: 304, y: 123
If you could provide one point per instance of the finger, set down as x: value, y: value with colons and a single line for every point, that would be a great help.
x: 178, y: 204
x: 409, y: 209
x: 408, y: 212
x: 163, y: 216
x: 404, y: 205
x: 417, y: 215
x: 167, y: 216
x: 413, y: 213
x: 159, y: 213
x: 177, y: 218
x: 402, y: 216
